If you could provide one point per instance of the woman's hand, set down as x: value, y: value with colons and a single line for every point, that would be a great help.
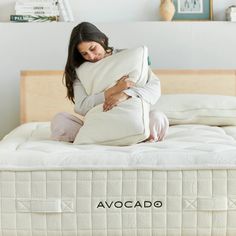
x: 114, y: 100
x: 122, y: 84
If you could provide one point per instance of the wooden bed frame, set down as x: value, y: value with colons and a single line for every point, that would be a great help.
x: 43, y: 94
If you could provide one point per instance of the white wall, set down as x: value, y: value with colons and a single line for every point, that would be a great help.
x: 116, y: 10
x: 176, y: 45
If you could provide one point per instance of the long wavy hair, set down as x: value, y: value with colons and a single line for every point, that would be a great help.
x: 83, y: 32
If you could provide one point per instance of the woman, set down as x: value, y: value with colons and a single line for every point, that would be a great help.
x: 88, y: 43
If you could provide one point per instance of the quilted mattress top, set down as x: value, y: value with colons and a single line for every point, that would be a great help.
x: 29, y: 147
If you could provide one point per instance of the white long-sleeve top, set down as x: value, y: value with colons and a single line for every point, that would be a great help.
x: 84, y: 102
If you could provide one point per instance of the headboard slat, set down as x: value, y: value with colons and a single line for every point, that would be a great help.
x: 222, y: 82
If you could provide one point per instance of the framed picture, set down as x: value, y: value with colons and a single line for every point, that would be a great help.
x: 193, y: 9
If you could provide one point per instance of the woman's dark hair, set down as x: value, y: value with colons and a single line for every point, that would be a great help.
x: 83, y: 32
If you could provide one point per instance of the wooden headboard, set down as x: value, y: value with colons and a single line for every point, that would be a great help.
x: 42, y: 93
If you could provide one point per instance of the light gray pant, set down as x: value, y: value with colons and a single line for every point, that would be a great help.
x: 64, y: 126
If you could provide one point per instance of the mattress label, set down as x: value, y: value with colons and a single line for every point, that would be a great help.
x: 129, y: 204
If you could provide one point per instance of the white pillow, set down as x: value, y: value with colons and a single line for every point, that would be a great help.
x: 217, y: 110
x: 127, y: 123
x: 101, y: 75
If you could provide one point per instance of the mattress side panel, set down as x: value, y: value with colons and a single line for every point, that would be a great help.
x: 118, y: 202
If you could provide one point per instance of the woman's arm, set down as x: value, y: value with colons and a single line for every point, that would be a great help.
x: 150, y: 93
x: 83, y: 101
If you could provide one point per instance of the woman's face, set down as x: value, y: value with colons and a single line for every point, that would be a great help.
x: 91, y: 51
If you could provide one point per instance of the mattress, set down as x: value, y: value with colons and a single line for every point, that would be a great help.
x: 186, y: 147
x: 185, y: 185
